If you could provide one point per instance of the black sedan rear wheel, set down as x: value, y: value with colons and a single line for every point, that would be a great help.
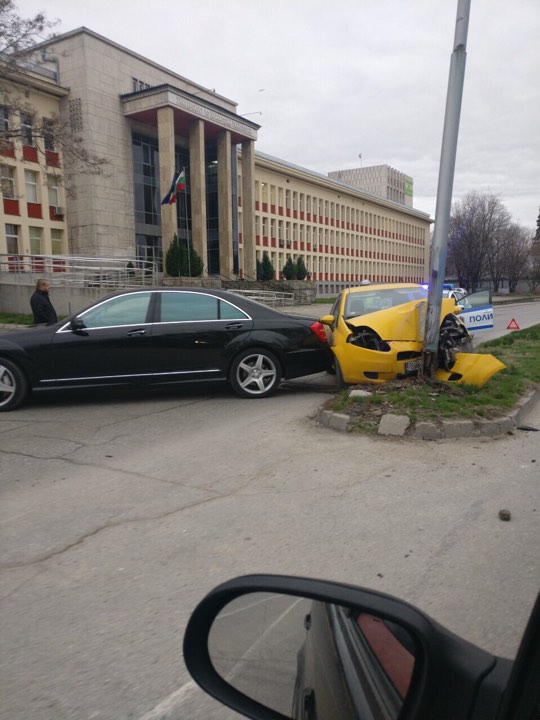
x: 13, y: 385
x: 255, y: 373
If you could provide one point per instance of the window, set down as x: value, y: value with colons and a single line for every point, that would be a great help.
x: 52, y: 188
x: 139, y: 85
x: 4, y: 119
x: 123, y: 310
x: 26, y: 129
x: 179, y: 307
x: 30, y: 181
x: 230, y: 312
x: 35, y: 240
x: 184, y: 307
x: 48, y: 133
x: 57, y: 241
x: 12, y: 239
x: 7, y: 181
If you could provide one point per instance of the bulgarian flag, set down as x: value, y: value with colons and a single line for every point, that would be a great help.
x: 181, y: 180
x: 178, y: 183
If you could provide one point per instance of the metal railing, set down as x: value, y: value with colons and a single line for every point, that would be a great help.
x: 268, y: 297
x: 75, y: 271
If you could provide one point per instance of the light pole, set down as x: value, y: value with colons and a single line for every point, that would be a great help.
x: 437, y: 260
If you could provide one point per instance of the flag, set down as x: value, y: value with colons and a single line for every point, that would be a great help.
x: 181, y: 180
x: 178, y: 183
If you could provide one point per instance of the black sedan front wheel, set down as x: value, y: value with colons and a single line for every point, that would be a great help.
x: 13, y: 385
x: 255, y: 373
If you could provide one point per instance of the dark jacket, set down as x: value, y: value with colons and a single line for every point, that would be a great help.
x: 42, y: 308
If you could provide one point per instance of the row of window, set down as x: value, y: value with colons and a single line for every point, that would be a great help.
x: 348, y: 266
x: 39, y: 240
x: 12, y: 181
x: 288, y: 232
x: 268, y: 197
x: 25, y: 122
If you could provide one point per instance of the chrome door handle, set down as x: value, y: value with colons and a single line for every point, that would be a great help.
x: 136, y: 333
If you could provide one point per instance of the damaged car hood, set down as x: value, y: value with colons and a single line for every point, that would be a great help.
x: 401, y: 323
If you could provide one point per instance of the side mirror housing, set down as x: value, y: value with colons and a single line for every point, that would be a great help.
x: 77, y: 325
x: 328, y: 319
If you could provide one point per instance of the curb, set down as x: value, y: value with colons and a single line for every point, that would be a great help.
x: 401, y: 426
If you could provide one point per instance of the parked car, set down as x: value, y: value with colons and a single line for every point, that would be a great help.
x: 275, y: 647
x: 161, y: 336
x: 457, y: 294
x: 376, y: 333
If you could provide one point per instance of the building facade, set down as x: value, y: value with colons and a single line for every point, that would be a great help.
x: 381, y: 180
x: 150, y: 123
x: 33, y: 207
x: 345, y: 236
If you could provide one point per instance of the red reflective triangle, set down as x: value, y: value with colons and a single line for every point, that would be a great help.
x: 512, y: 325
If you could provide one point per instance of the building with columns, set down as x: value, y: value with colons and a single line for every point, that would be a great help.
x: 149, y: 123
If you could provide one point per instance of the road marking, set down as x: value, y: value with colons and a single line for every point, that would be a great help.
x: 169, y: 709
x: 14, y: 517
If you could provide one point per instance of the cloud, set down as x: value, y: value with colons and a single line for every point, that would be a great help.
x: 357, y: 76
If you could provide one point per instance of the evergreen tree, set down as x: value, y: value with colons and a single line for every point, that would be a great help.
x: 175, y: 259
x: 268, y: 272
x: 259, y: 270
x: 301, y: 269
x: 196, y: 263
x: 289, y: 270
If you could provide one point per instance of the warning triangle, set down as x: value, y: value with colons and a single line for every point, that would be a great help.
x: 512, y: 325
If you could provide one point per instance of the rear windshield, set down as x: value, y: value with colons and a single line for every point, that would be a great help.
x: 366, y: 302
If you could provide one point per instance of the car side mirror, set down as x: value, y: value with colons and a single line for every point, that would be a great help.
x: 284, y: 648
x: 77, y: 324
x: 327, y: 319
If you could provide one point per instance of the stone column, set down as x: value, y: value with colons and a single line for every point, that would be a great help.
x: 165, y: 117
x: 248, y: 209
x: 225, y: 203
x: 198, y: 191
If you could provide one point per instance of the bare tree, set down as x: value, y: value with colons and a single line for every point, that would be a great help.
x: 497, y: 223
x: 473, y: 222
x: 517, y: 255
x: 18, y: 67
x: 533, y: 266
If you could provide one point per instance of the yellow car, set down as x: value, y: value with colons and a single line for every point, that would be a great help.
x: 376, y: 333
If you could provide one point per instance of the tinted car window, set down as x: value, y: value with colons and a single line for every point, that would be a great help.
x: 230, y: 312
x: 183, y: 307
x: 123, y: 310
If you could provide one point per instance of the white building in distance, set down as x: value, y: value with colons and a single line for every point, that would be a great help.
x: 381, y: 180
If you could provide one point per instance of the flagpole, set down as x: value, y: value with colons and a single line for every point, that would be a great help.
x: 187, y: 224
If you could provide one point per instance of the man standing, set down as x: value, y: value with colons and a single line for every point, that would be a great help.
x: 41, y: 304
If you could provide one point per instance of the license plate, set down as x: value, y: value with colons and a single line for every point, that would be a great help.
x: 413, y: 365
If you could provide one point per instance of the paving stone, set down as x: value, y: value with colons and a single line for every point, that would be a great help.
x: 339, y: 421
x: 458, y: 428
x: 427, y: 431
x: 488, y: 428
x: 506, y: 424
x: 393, y: 424
x: 324, y: 417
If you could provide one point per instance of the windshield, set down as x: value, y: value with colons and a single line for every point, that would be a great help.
x: 365, y: 302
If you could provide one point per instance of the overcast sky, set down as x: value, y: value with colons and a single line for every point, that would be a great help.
x: 333, y: 80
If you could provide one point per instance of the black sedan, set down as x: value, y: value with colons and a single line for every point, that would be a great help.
x: 161, y: 336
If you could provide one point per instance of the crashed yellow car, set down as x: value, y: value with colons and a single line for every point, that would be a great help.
x: 376, y: 333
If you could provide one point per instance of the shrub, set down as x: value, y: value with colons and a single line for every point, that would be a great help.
x: 267, y: 269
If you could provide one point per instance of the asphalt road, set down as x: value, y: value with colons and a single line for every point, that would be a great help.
x: 119, y: 513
